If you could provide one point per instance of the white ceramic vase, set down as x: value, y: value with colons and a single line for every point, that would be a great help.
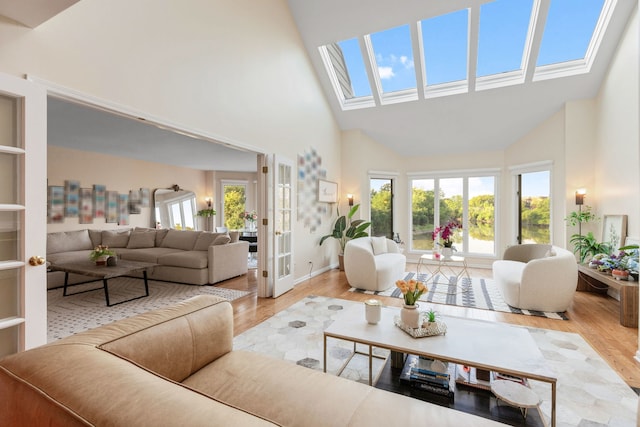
x: 447, y: 252
x: 410, y: 316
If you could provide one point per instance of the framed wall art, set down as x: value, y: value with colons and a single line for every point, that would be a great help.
x: 123, y: 209
x: 71, y: 198
x: 99, y: 201
x: 112, y: 207
x: 614, y: 230
x: 86, y: 206
x: 327, y: 191
x: 55, y: 204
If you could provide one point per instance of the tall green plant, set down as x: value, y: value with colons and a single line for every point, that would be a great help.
x: 345, y: 229
x: 588, y: 245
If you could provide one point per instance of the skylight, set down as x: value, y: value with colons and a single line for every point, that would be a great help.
x: 504, y: 25
x: 394, y: 59
x: 355, y: 66
x: 498, y: 41
x: 569, y: 30
x: 444, y: 45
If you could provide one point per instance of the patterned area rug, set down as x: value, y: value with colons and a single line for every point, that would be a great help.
x: 590, y: 393
x: 75, y: 313
x: 475, y: 293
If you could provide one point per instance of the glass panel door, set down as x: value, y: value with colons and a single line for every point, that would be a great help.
x: 283, y: 228
x: 22, y: 215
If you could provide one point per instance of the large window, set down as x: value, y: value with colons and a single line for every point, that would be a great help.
x: 466, y: 199
x: 381, y: 207
x: 234, y: 204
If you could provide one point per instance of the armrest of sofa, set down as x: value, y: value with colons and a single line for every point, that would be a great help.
x: 227, y: 261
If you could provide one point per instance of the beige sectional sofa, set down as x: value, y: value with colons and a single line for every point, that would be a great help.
x: 176, y: 367
x: 191, y: 257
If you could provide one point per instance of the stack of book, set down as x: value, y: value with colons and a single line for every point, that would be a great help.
x: 427, y: 375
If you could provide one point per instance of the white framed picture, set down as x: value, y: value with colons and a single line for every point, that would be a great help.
x: 614, y: 230
x: 327, y: 191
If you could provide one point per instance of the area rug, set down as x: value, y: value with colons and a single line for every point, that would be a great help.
x: 472, y: 293
x: 75, y: 313
x: 590, y: 393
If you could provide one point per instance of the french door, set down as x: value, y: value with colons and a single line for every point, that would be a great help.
x: 283, y: 228
x: 23, y: 227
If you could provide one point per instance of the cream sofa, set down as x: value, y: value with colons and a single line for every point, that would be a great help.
x: 176, y: 367
x: 373, y: 263
x: 191, y: 257
x: 537, y: 277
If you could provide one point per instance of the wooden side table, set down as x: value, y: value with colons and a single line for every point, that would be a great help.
x: 515, y: 394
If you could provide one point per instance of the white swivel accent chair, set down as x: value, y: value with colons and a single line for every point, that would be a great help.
x: 373, y: 263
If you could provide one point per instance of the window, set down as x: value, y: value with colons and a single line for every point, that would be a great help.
x: 182, y: 213
x: 468, y: 199
x: 534, y: 214
x: 234, y: 198
x: 393, y: 56
x: 381, y: 200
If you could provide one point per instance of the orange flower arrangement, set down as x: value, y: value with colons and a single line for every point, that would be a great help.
x: 411, y: 290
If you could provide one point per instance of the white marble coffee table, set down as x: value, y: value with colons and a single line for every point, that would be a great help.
x: 491, y: 346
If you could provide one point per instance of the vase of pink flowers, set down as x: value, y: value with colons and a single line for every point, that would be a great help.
x: 443, y: 235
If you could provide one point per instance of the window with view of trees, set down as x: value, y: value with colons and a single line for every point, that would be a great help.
x: 534, y: 210
x: 381, y: 200
x: 234, y: 203
x: 467, y: 200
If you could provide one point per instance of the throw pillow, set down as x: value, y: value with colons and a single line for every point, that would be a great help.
x: 181, y: 239
x: 142, y: 238
x: 68, y: 241
x: 160, y: 235
x: 222, y: 240
x: 379, y: 245
x: 115, y: 238
x: 206, y: 239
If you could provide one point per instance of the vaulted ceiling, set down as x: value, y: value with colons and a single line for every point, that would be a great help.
x: 475, y: 120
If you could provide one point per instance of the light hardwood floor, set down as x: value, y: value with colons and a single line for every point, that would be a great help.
x: 594, y: 317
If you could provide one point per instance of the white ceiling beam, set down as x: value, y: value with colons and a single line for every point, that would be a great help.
x: 371, y: 65
x: 537, y: 23
x: 418, y: 59
x: 472, y: 60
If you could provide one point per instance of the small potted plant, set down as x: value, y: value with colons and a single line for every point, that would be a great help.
x: 100, y: 254
x: 445, y: 233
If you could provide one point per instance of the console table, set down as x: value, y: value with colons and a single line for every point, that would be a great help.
x: 592, y: 280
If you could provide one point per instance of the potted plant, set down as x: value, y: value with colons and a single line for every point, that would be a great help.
x: 585, y: 245
x: 445, y: 233
x: 100, y: 254
x: 588, y: 245
x: 345, y: 229
x: 208, y: 215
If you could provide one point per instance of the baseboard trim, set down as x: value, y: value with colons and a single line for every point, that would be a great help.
x: 314, y: 273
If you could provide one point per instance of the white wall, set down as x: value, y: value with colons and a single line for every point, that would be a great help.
x: 617, y: 170
x: 235, y: 70
x: 117, y: 174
